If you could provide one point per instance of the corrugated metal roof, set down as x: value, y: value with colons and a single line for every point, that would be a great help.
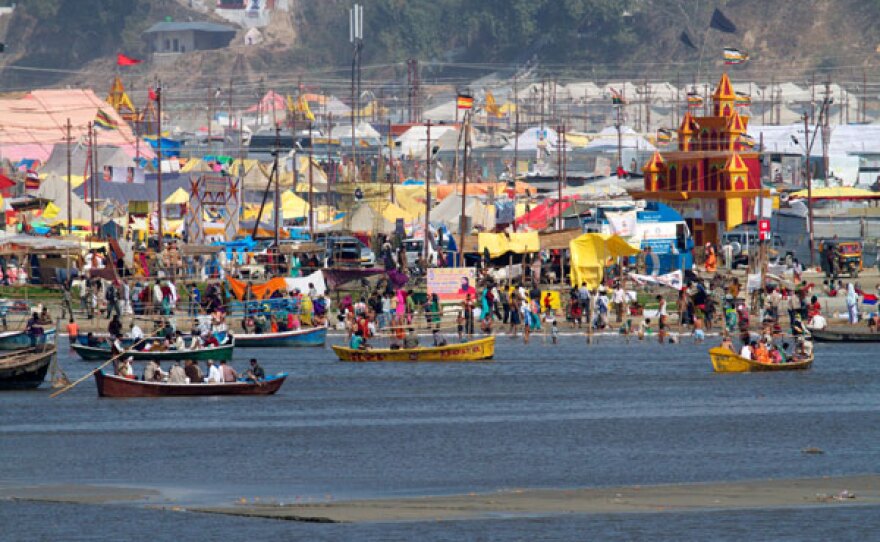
x: 173, y: 26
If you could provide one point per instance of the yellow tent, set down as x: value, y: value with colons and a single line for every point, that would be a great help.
x: 177, y: 197
x: 590, y: 253
x: 837, y: 192
x: 293, y: 206
x: 391, y: 212
x: 502, y: 243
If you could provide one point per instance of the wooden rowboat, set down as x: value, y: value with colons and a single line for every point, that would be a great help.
x: 478, y: 350
x: 16, y: 340
x: 844, y: 336
x: 725, y: 361
x: 103, y: 353
x: 315, y: 336
x: 117, y: 386
x: 25, y: 369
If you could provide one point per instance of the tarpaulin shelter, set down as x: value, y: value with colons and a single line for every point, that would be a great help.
x: 590, y: 253
x: 499, y: 244
x: 540, y: 216
x: 448, y: 213
x: 838, y: 193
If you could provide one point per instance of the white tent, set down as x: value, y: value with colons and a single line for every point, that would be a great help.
x: 529, y: 139
x: 414, y: 141
x: 362, y: 130
x: 607, y: 140
x: 367, y: 219
x: 54, y: 187
x: 447, y: 213
x: 445, y: 112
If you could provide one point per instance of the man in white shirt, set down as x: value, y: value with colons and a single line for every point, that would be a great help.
x: 157, y: 296
x: 214, y: 374
x: 746, y: 352
x: 817, y: 322
x: 619, y: 300
x: 136, y: 332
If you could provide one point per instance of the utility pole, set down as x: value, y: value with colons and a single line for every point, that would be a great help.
x: 277, y: 205
x: 560, y: 153
x: 91, y: 180
x: 356, y: 38
x: 826, y: 129
x: 159, y: 158
x: 69, y: 140
x: 809, y: 188
x: 515, y: 130
x: 428, y: 191
x: 619, y: 138
x: 311, y: 185
x: 463, y: 218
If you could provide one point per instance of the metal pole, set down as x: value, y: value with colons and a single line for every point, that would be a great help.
x: 69, y: 184
x: 277, y: 203
x: 464, y: 159
x: 809, y: 187
x: 559, y: 177
x: 311, y: 186
x: 515, y: 131
x: 619, y: 140
x: 159, y: 158
x: 428, y: 192
x: 92, y: 180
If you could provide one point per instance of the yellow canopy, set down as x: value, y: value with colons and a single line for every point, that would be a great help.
x: 391, y: 212
x: 51, y: 211
x: 589, y: 254
x: 177, y: 197
x: 502, y: 243
x: 837, y: 192
x: 293, y: 206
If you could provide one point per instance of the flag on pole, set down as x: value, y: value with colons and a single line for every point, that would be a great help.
x: 123, y: 60
x: 492, y: 107
x: 105, y: 121
x: 664, y: 135
x: 694, y: 99
x: 303, y: 107
x: 734, y: 56
x: 616, y: 97
x: 152, y: 95
x: 464, y: 101
x: 721, y: 23
x: 743, y: 100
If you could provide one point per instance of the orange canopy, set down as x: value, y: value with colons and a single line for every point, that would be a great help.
x: 259, y: 291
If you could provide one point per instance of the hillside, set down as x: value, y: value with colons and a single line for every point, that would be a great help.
x: 71, y: 42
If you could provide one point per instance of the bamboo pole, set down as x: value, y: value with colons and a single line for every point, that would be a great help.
x: 95, y: 370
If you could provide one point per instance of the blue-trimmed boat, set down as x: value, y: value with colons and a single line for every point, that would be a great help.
x: 312, y: 336
x: 16, y: 340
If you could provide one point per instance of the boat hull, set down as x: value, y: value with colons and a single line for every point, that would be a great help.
x: 26, y: 369
x: 725, y: 361
x: 302, y: 337
x: 118, y: 387
x: 844, y: 336
x: 478, y: 350
x: 16, y: 340
x: 217, y: 353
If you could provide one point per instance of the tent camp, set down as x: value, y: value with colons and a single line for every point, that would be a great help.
x: 447, y: 213
x: 54, y: 187
x: 414, y: 141
x: 590, y: 253
x: 607, y: 140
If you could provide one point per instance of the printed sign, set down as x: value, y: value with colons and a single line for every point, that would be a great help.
x: 453, y: 283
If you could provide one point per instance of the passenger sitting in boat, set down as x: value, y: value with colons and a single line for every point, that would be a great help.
x: 762, y: 355
x: 92, y: 341
x: 746, y: 351
x: 260, y: 324
x: 179, y: 343
x: 33, y: 328
x: 116, y: 347
x: 727, y: 343
x: 357, y: 341
x: 193, y: 372
x: 123, y: 369
x: 215, y: 376
x: 167, y: 331
x: 817, y: 322
x: 229, y: 374
x: 255, y: 373
x: 136, y: 332
x: 45, y: 318
x: 210, y: 340
x: 273, y: 324
x: 153, y: 372
x: 411, y: 340
x: 195, y: 341
x: 159, y: 346
x: 176, y: 375
x: 775, y: 355
x: 439, y: 339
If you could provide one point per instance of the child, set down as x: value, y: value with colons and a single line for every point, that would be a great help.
x: 459, y: 325
x: 550, y: 320
x: 699, y: 334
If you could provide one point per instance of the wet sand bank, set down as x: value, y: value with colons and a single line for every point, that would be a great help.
x: 548, y: 502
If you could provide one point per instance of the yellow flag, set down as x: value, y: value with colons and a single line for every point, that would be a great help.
x: 51, y: 211
x: 305, y: 109
x: 492, y: 107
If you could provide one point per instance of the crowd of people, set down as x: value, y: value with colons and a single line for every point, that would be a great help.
x: 192, y: 373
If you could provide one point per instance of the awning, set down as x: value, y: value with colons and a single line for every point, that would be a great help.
x: 590, y: 254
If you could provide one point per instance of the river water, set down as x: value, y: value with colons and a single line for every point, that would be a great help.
x: 572, y: 415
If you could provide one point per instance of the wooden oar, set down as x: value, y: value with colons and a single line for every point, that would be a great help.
x: 98, y: 368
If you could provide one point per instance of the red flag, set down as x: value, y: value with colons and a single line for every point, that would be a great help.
x: 122, y: 60
x: 152, y: 95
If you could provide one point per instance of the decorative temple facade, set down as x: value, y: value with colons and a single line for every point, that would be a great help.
x: 714, y: 177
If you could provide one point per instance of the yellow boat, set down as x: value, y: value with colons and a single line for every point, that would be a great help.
x: 478, y: 350
x: 725, y: 361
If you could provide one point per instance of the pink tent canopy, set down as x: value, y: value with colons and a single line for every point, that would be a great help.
x: 272, y: 100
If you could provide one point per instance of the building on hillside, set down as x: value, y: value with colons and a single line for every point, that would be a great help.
x: 184, y: 37
x: 714, y: 177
